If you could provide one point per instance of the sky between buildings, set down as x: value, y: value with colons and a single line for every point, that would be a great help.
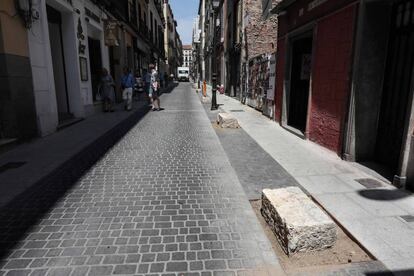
x: 184, y: 12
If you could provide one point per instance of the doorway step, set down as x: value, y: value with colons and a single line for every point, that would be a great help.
x: 7, y: 144
x: 68, y: 122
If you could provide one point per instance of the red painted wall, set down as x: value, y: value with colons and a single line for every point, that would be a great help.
x: 299, y: 13
x: 280, y: 75
x: 331, y: 76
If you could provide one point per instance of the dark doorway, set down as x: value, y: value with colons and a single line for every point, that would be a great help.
x: 300, y: 79
x: 58, y: 59
x: 397, y: 85
x: 234, y: 70
x: 112, y: 60
x: 95, y: 63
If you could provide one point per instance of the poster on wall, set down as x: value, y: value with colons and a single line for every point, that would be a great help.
x: 83, y: 68
x: 259, y: 70
x: 272, y: 78
x: 111, y: 33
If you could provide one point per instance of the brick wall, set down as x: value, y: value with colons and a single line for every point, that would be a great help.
x: 330, y: 78
x: 261, y: 34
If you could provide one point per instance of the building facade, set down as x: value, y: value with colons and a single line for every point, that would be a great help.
x: 60, y: 47
x: 178, y: 50
x: 156, y: 23
x: 238, y: 32
x: 196, y: 39
x: 172, y: 41
x: 344, y: 83
x: 18, y: 110
x: 64, y: 68
x: 187, y: 56
x: 343, y: 71
x: 258, y: 48
x: 202, y: 39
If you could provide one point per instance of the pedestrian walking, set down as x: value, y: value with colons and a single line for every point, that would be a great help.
x: 154, y: 89
x: 107, y: 91
x: 127, y: 85
x: 139, y: 85
x: 147, y: 85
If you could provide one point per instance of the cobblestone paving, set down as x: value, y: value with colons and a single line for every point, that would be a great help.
x: 163, y: 201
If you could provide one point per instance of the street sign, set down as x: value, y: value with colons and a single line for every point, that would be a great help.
x: 111, y: 32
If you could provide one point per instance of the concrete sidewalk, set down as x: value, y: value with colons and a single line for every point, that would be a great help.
x: 377, y: 217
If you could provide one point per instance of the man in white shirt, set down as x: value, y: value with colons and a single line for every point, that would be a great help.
x: 154, y: 89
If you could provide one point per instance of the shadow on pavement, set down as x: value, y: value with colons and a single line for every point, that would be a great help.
x: 384, y: 194
x: 171, y: 88
x: 408, y: 272
x: 26, y: 210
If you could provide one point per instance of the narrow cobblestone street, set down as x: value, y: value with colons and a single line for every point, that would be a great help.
x: 163, y: 201
x: 206, y: 137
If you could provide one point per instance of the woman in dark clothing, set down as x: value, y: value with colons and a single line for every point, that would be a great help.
x: 107, y: 90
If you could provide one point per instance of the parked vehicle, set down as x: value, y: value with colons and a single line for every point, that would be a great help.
x: 183, y: 74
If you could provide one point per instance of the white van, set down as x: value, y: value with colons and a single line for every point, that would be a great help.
x: 183, y: 74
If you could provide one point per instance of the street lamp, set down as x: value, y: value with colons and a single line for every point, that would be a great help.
x: 214, y: 105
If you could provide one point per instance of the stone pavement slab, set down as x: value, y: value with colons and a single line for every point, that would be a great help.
x: 255, y: 168
x: 332, y: 182
x: 163, y: 201
x: 354, y: 269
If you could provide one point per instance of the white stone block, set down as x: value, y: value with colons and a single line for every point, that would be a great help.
x: 298, y: 223
x: 226, y: 120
